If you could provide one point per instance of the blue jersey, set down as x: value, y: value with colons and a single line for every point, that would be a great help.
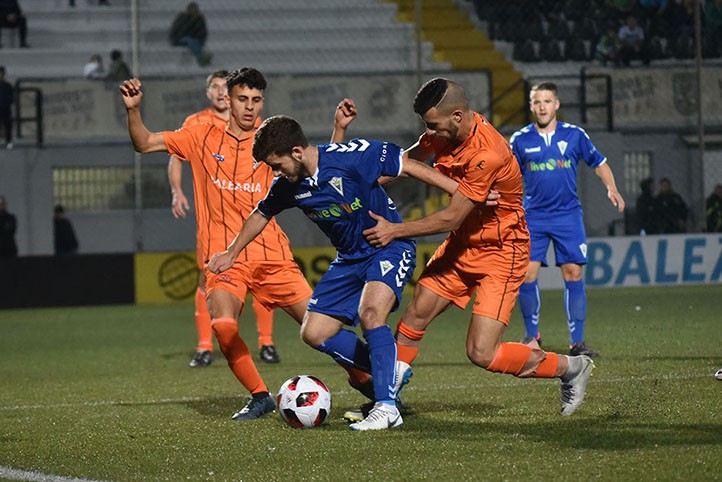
x: 340, y: 194
x: 549, y: 165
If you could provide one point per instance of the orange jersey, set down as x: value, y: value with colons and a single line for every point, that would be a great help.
x: 227, y: 185
x: 484, y: 161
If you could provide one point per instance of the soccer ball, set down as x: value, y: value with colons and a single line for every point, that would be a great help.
x: 304, y: 401
x: 718, y: 375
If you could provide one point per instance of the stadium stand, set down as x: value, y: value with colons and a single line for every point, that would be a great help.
x: 348, y: 36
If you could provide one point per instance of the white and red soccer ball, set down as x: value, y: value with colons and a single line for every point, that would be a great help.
x: 304, y: 401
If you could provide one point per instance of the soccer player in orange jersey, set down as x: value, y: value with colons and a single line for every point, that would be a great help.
x: 228, y: 184
x: 487, y: 252
x: 218, y: 113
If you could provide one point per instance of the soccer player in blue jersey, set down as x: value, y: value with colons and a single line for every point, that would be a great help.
x: 549, y: 153
x: 336, y: 185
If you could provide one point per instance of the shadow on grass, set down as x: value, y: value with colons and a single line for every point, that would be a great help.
x: 471, y: 421
x: 217, y: 407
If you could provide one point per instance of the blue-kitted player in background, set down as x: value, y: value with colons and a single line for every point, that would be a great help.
x: 336, y: 185
x: 549, y: 153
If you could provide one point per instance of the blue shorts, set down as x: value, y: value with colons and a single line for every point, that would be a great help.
x: 566, y: 230
x: 338, y: 293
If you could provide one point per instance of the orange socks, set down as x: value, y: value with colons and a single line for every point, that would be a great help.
x: 203, y: 323
x: 408, y: 353
x: 524, y: 361
x: 264, y: 322
x: 237, y: 354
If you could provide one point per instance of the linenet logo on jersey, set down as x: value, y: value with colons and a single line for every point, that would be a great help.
x: 335, y: 210
x: 549, y: 165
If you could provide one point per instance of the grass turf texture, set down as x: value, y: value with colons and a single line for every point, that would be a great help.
x: 106, y: 393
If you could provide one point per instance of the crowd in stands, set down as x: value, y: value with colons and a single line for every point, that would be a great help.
x: 609, y: 32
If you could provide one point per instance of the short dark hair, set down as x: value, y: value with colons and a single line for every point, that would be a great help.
x: 59, y: 209
x: 2, y: 69
x: 247, y: 76
x: 550, y: 86
x: 115, y: 54
x: 430, y: 94
x: 277, y: 135
x: 218, y: 74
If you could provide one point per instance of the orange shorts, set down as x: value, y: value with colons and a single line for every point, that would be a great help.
x: 494, y: 273
x: 272, y: 284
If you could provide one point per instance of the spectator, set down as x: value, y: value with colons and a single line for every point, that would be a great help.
x: 608, y: 48
x: 94, y: 68
x: 8, y: 226
x: 713, y: 210
x: 189, y: 30
x: 119, y: 70
x: 65, y: 241
x: 12, y: 17
x: 671, y: 208
x: 633, y: 44
x: 646, y: 209
x: 7, y: 98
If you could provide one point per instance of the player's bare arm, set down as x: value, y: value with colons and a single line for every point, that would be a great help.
x: 443, y: 221
x: 607, y: 177
x: 143, y: 140
x: 345, y: 114
x: 422, y: 172
x: 253, y: 226
x: 179, y: 204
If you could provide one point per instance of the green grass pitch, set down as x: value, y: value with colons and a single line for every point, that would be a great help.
x: 106, y: 394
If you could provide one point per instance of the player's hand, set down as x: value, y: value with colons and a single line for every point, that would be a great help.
x: 179, y: 205
x: 220, y: 262
x: 131, y: 93
x: 381, y: 234
x: 492, y: 197
x: 345, y: 113
x: 616, y: 199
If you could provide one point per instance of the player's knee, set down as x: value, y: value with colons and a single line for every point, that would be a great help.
x: 479, y: 355
x: 372, y: 316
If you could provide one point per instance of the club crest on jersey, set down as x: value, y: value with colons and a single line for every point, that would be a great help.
x: 562, y: 145
x: 218, y: 157
x: 583, y: 249
x: 386, y: 266
x: 337, y: 184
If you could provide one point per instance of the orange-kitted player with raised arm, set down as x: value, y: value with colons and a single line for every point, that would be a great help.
x: 228, y: 184
x: 487, y: 251
x: 219, y: 114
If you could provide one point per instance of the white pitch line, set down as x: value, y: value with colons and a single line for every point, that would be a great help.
x: 412, y: 387
x: 16, y: 474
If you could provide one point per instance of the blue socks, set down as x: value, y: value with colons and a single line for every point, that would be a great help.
x: 382, y: 347
x: 530, y: 302
x: 575, y: 302
x: 346, y: 347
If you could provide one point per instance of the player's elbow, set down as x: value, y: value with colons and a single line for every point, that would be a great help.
x: 450, y: 220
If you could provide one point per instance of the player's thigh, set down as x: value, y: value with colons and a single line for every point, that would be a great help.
x: 278, y: 284
x: 297, y: 311
x: 224, y: 304
x: 377, y: 300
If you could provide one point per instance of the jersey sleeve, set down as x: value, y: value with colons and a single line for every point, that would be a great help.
x: 516, y: 148
x: 180, y: 143
x: 380, y: 159
x: 279, y: 198
x: 479, y: 175
x: 588, y: 152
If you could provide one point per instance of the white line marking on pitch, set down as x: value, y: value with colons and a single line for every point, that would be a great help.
x: 16, y: 474
x: 415, y: 388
